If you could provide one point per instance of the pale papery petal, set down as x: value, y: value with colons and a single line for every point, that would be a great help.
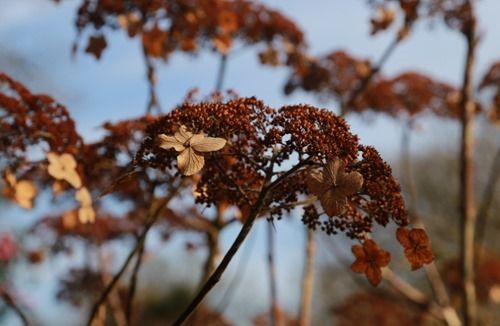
x: 83, y: 196
x: 68, y: 161
x: 333, y: 206
x: 56, y: 172
x: 168, y: 142
x: 53, y: 158
x: 189, y: 162
x: 351, y: 183
x: 182, y: 135
x: 86, y: 214
x: 73, y: 178
x: 316, y: 184
x: 332, y: 169
x: 25, y: 191
x: 206, y: 144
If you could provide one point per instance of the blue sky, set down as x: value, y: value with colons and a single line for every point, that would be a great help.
x: 39, y: 34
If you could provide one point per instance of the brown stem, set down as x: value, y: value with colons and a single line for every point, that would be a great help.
x: 133, y: 283
x: 448, y: 314
x: 363, y: 83
x: 156, y: 208
x: 273, y: 313
x: 433, y: 276
x: 114, y: 299
x: 12, y: 303
x: 467, y: 207
x: 245, y: 230
x: 216, y: 275
x: 307, y: 281
x: 484, y: 208
x: 212, y: 235
x: 153, y: 102
x: 221, y: 73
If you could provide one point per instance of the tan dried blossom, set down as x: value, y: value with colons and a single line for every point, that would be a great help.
x: 333, y: 185
x: 63, y: 167
x: 191, y: 146
x: 86, y: 213
x: 22, y: 192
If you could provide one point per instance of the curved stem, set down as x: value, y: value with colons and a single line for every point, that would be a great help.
x: 307, y: 281
x: 133, y: 283
x: 432, y: 273
x: 484, y: 208
x: 221, y: 73
x: 11, y: 302
x: 151, y: 77
x: 245, y: 230
x: 467, y: 209
x: 363, y: 83
x: 273, y: 313
x: 156, y: 208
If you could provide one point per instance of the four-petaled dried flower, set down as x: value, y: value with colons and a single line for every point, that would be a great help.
x: 190, y: 160
x: 63, y: 167
x: 22, y: 191
x: 86, y: 213
x: 416, y: 245
x: 370, y: 258
x: 333, y: 185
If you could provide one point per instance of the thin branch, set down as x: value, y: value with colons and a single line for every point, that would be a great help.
x: 153, y: 102
x: 133, y: 283
x: 307, y: 280
x: 363, y: 83
x: 406, y: 289
x: 237, y: 277
x: 433, y: 276
x: 221, y: 73
x: 245, y: 230
x: 484, y: 208
x: 273, y: 312
x: 212, y: 236
x: 467, y: 209
x: 155, y: 210
x: 114, y: 299
x: 12, y: 303
x: 448, y: 314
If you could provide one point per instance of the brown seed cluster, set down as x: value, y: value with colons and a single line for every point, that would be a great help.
x: 457, y: 14
x: 260, y: 140
x: 32, y: 119
x: 337, y: 75
x: 185, y: 25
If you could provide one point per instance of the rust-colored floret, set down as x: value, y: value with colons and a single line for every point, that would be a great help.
x: 416, y: 245
x: 370, y: 259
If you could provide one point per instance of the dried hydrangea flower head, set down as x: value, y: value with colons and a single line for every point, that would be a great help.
x: 332, y: 185
x: 22, y: 192
x: 191, y: 146
x: 63, y: 167
x: 264, y: 139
